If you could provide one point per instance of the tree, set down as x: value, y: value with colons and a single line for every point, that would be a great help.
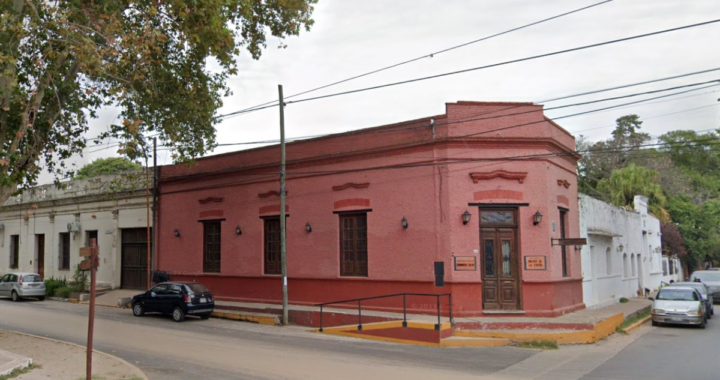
x: 601, y: 158
x: 698, y: 225
x: 111, y: 165
x: 624, y: 184
x: 61, y: 61
x: 672, y: 241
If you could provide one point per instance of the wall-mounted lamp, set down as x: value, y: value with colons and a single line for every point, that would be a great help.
x: 620, y: 248
x: 176, y: 233
x: 404, y: 223
x: 537, y: 218
x: 308, y: 227
x: 238, y: 231
x: 466, y: 217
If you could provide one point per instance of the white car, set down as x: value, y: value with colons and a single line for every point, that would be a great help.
x: 18, y: 285
x: 680, y: 305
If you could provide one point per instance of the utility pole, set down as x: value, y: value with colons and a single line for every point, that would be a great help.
x: 153, y: 256
x: 283, y: 239
x: 147, y: 216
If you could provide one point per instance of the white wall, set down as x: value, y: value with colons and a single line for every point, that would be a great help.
x: 47, y: 210
x: 623, y: 251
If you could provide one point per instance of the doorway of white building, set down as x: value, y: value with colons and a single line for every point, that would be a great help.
x: 134, y: 253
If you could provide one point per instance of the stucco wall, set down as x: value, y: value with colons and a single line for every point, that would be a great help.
x: 47, y: 210
x: 401, y: 170
x: 623, y: 251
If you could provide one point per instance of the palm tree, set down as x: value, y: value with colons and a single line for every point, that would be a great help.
x: 624, y: 184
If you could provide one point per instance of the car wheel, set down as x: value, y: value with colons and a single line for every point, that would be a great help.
x: 205, y: 316
x: 178, y: 315
x: 703, y: 323
x: 41, y: 298
x: 138, y: 310
x: 655, y: 323
x: 15, y: 296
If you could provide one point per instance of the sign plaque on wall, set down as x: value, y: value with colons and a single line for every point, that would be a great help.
x: 465, y: 263
x: 535, y: 263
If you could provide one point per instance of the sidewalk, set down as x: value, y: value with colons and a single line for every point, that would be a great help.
x: 57, y: 360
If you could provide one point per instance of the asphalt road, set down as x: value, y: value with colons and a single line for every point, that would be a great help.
x: 222, y: 349
x: 667, y: 352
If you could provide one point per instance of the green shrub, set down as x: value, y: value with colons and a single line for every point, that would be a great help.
x: 80, y: 277
x: 624, y: 300
x: 76, y: 287
x: 52, y: 284
x: 63, y: 292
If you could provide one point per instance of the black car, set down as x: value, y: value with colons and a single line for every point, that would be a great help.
x: 176, y: 298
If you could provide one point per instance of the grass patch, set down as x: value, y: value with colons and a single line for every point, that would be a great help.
x: 541, y: 344
x: 19, y: 372
x: 632, y: 320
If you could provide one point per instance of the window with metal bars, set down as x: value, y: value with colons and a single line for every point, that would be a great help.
x: 14, y: 251
x: 64, y: 254
x: 272, y: 246
x: 353, y: 245
x: 211, y: 246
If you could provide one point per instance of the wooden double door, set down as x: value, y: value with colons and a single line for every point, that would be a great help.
x: 500, y: 260
x: 134, y: 258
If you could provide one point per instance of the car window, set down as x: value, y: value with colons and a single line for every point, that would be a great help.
x: 197, y: 288
x: 160, y: 289
x: 4, y: 278
x: 31, y: 278
x: 677, y: 295
x: 13, y: 278
x: 176, y: 289
x: 706, y: 276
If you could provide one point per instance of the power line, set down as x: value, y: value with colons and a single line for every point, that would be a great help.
x: 495, y: 111
x: 431, y: 55
x: 507, y: 62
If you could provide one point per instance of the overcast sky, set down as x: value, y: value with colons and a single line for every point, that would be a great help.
x: 351, y: 37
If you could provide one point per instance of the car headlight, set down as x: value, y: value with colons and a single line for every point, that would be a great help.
x: 658, y: 311
x: 694, y: 312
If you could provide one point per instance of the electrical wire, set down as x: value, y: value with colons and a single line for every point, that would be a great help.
x: 431, y: 55
x: 506, y: 62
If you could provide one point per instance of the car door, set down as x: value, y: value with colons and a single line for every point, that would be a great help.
x: 11, y: 284
x: 174, y: 296
x: 153, y: 300
x: 3, y: 285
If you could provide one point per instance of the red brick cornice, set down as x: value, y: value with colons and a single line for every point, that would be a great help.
x: 478, y: 176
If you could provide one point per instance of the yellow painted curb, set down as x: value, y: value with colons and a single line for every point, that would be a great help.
x: 489, y: 342
x: 601, y: 330
x: 384, y: 339
x: 259, y: 319
x: 637, y: 324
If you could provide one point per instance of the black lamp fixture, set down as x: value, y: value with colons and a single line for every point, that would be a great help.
x: 238, y: 231
x: 537, y: 218
x: 466, y: 217
x: 308, y: 227
x: 176, y: 233
x: 404, y: 223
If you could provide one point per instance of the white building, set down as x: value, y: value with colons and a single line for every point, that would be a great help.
x: 623, y: 255
x: 42, y: 229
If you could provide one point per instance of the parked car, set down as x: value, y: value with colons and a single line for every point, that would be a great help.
x: 175, y: 298
x: 681, y: 305
x: 704, y: 292
x: 711, y: 279
x: 19, y: 285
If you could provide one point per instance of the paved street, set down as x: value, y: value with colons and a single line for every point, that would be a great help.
x: 222, y: 349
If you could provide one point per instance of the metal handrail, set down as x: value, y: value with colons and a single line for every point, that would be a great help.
x: 404, y: 295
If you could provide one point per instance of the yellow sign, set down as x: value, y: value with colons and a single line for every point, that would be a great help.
x: 535, y: 263
x: 465, y: 263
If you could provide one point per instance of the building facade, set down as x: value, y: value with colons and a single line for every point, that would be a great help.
x: 42, y: 229
x: 442, y: 204
x: 623, y: 255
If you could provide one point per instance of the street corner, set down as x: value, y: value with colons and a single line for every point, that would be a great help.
x: 40, y: 359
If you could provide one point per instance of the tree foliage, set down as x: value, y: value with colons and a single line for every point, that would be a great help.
x: 624, y: 184
x: 61, y: 61
x: 681, y: 178
x: 111, y: 165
